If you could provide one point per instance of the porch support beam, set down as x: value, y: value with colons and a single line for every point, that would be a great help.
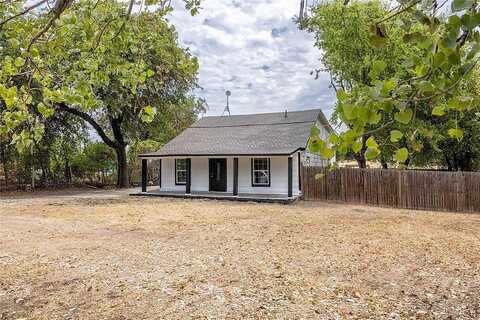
x: 188, y: 187
x: 299, y: 171
x: 144, y: 174
x: 235, y: 176
x: 290, y: 169
x: 160, y: 173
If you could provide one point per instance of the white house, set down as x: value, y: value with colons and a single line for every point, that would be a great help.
x: 244, y: 157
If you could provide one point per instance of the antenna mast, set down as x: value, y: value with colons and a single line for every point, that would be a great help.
x: 227, y: 107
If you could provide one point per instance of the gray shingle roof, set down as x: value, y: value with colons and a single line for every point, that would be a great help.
x: 254, y: 134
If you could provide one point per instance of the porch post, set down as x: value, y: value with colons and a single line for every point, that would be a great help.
x: 144, y: 175
x: 290, y: 176
x: 299, y: 155
x: 188, y: 186
x: 235, y: 176
x: 160, y: 173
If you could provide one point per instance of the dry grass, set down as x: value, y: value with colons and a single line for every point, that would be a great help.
x: 142, y: 258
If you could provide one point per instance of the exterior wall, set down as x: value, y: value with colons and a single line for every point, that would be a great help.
x: 311, y: 159
x: 168, y: 176
x: 200, y: 175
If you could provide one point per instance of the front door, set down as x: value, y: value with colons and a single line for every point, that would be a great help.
x: 218, y: 174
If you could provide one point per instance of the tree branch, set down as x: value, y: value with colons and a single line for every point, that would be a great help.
x: 86, y: 117
x: 27, y: 10
x: 117, y: 130
x: 390, y: 16
x: 102, y: 31
x: 127, y: 17
x: 58, y: 8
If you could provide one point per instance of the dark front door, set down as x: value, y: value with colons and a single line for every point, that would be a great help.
x: 218, y: 174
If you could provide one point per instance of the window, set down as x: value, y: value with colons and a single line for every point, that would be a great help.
x: 180, y: 171
x: 261, y: 172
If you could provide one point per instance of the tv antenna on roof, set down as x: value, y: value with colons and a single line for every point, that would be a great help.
x: 227, y: 107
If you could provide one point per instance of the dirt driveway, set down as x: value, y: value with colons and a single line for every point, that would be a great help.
x: 109, y: 256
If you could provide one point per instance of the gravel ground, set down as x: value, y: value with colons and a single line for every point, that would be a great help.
x: 100, y: 255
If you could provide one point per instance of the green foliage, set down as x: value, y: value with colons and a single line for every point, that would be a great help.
x: 148, y: 114
x: 404, y: 116
x: 401, y: 155
x: 134, y: 163
x: 119, y: 72
x: 356, y: 66
x: 417, y: 61
x: 456, y: 133
x: 395, y: 135
x: 342, y: 33
x: 96, y: 158
x: 438, y: 111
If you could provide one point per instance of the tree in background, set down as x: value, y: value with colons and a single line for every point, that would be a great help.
x: 447, y: 44
x: 461, y: 154
x: 40, y: 164
x: 348, y: 56
x: 96, y: 162
x: 110, y: 69
x: 137, y: 148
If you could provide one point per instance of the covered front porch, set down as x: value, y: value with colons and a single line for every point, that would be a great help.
x: 224, y: 177
x: 259, y: 197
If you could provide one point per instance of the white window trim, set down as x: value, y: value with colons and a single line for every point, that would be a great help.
x: 180, y: 183
x: 254, y: 184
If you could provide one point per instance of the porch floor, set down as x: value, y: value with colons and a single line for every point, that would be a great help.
x: 256, y: 197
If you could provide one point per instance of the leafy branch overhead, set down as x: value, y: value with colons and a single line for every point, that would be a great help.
x: 58, y: 53
x: 113, y: 65
x: 414, y: 69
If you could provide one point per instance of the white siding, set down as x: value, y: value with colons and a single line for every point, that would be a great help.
x: 200, y: 175
x: 168, y: 176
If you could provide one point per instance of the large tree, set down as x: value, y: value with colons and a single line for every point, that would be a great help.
x: 348, y: 56
x: 447, y: 42
x: 110, y: 69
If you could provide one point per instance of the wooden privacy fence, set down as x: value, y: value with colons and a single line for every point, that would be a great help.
x: 411, y: 189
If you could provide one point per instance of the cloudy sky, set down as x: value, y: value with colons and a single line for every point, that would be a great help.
x: 254, y: 49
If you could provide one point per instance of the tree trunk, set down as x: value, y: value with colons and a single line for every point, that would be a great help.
x: 360, y: 156
x: 122, y: 167
x: 455, y: 162
x: 68, y: 172
x: 384, y: 164
x: 32, y: 169
x: 361, y: 161
x: 4, y: 163
x: 118, y: 142
x: 465, y: 162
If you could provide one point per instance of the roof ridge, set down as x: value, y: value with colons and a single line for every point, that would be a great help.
x: 263, y: 113
x: 253, y: 125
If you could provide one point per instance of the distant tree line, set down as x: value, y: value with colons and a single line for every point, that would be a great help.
x: 70, y: 154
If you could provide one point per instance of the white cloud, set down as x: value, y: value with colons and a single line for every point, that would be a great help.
x: 254, y: 49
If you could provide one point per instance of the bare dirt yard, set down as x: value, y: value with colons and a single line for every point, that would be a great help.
x: 95, y: 255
